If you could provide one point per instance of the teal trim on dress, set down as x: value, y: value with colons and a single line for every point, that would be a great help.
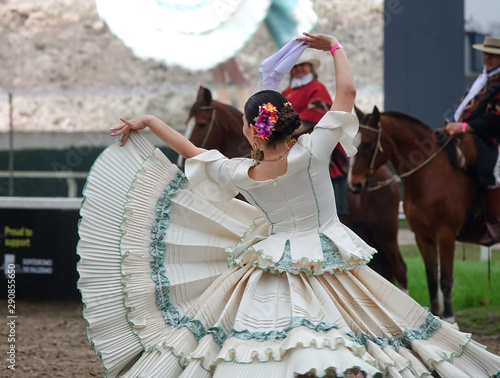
x: 332, y: 260
x: 424, y: 332
x: 331, y: 254
x: 281, y: 335
x: 157, y: 249
x: 162, y: 284
x: 285, y: 263
x: 241, y: 190
x: 312, y: 188
x: 230, y: 258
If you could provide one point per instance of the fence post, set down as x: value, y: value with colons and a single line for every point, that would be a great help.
x: 11, y: 147
x: 484, y: 253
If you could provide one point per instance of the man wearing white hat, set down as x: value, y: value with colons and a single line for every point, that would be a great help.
x: 309, y: 97
x: 479, y: 113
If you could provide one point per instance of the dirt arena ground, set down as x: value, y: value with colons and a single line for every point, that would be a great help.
x: 51, y: 342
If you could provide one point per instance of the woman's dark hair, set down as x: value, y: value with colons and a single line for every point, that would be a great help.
x: 288, y: 118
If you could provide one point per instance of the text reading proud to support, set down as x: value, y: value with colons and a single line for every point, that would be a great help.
x: 18, y: 237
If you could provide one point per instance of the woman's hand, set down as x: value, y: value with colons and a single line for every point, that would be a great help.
x: 454, y: 128
x: 319, y: 41
x: 138, y: 123
x: 344, y: 80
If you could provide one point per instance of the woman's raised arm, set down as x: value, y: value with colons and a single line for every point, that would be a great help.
x: 171, y: 137
x: 344, y: 80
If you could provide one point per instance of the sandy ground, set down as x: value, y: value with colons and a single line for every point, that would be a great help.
x: 51, y: 342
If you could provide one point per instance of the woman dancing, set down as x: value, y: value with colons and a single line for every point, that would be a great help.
x: 181, y: 280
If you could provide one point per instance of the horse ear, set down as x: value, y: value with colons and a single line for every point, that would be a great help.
x: 359, y: 113
x: 375, y: 116
x: 205, y: 95
x: 200, y: 92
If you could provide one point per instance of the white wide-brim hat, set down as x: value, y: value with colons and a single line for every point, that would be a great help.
x: 491, y: 45
x: 308, y: 56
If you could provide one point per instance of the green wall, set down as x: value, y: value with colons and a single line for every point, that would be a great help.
x: 70, y: 159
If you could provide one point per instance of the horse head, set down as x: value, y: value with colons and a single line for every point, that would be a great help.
x: 201, y: 121
x: 214, y: 125
x: 370, y: 155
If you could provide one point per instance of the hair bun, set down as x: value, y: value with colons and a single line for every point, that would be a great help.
x: 288, y: 119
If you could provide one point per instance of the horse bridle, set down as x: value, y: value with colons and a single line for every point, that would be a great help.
x: 378, y: 147
x: 211, y: 124
x: 395, y: 178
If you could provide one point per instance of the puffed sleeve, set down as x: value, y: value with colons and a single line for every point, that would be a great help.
x: 335, y: 127
x: 210, y: 176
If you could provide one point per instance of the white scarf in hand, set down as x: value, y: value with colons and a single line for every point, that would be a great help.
x: 479, y: 84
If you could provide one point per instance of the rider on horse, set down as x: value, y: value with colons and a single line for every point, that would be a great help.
x: 479, y: 113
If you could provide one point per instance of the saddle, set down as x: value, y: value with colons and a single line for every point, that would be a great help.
x: 466, y: 150
x: 462, y: 153
x: 461, y: 150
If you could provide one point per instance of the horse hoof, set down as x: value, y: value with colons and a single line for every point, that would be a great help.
x: 450, y: 319
x: 491, y: 236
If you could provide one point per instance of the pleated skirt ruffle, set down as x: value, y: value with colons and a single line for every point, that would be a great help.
x: 160, y: 300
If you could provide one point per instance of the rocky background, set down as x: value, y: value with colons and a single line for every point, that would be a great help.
x: 68, y: 73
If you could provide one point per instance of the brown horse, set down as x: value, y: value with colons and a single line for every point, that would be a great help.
x: 373, y: 215
x: 438, y: 195
x: 212, y: 125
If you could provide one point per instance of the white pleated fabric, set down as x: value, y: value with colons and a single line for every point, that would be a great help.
x: 198, y: 34
x: 165, y: 295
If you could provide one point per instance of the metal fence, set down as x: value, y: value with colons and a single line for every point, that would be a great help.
x: 69, y: 176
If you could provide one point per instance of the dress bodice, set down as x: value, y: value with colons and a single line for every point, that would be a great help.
x: 299, y: 206
x: 300, y: 200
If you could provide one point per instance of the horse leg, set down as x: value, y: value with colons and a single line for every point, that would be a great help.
x: 446, y: 245
x: 428, y: 250
x: 384, y: 237
x: 380, y: 264
x: 396, y: 262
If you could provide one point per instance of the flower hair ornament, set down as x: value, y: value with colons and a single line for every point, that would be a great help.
x: 263, y: 127
x: 266, y: 120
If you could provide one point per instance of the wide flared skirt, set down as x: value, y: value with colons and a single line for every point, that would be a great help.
x: 160, y: 300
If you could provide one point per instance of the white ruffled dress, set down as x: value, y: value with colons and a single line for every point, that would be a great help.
x: 179, y: 32
x: 179, y: 279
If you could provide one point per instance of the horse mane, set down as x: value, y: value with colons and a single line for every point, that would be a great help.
x: 407, y: 118
x: 231, y: 108
x: 441, y: 136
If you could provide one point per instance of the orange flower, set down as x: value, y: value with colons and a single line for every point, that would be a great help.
x: 269, y: 107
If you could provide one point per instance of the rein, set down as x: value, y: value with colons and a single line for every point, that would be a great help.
x: 396, y: 178
x: 211, y: 124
